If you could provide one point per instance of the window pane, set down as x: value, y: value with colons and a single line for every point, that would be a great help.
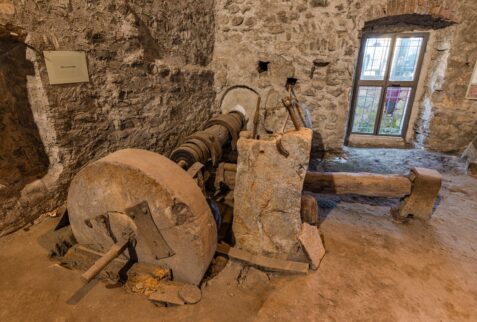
x: 395, y: 107
x: 406, y: 55
x: 366, y: 109
x: 375, y: 58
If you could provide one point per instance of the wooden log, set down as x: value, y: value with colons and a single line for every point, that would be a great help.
x: 364, y: 184
x: 268, y: 263
x: 309, y: 210
x: 107, y: 258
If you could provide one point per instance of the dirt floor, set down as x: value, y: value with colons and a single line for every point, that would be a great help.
x: 374, y: 269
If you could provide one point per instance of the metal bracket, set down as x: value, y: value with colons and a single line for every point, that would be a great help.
x: 148, y: 233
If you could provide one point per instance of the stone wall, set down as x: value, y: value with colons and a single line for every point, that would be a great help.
x: 155, y: 74
x: 317, y: 43
x: 23, y: 158
x: 453, y: 120
x: 150, y: 86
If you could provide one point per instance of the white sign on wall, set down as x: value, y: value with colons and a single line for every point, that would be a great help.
x: 66, y: 67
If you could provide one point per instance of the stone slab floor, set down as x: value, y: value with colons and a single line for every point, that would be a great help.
x: 374, y: 270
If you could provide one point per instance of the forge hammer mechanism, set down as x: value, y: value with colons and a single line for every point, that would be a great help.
x: 170, y: 223
x: 294, y: 111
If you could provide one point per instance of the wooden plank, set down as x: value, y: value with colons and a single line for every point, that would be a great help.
x: 363, y: 184
x: 267, y: 263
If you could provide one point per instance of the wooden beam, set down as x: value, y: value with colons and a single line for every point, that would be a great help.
x: 268, y: 263
x: 363, y: 184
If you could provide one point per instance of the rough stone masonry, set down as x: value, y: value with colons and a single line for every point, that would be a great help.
x: 317, y: 42
x: 157, y: 68
x: 150, y: 87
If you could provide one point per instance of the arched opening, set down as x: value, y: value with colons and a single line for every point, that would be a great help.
x: 391, y: 72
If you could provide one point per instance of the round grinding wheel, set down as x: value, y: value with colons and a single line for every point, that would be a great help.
x: 175, y: 227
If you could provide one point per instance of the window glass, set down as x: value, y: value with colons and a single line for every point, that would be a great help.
x: 375, y: 58
x: 406, y: 56
x: 366, y: 109
x: 395, y: 107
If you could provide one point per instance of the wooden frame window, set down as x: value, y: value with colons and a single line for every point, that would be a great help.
x: 385, y: 84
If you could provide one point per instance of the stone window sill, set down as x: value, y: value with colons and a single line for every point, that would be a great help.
x: 374, y: 141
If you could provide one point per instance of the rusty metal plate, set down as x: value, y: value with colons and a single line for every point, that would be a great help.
x: 148, y: 233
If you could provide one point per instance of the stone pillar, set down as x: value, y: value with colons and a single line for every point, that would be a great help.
x: 268, y: 194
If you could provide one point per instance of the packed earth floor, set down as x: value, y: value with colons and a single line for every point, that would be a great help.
x: 374, y: 270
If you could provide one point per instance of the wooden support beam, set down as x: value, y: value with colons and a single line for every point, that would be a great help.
x: 268, y: 263
x: 363, y: 184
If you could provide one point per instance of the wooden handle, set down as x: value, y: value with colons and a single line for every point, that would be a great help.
x: 256, y: 118
x: 292, y: 114
x: 107, y: 258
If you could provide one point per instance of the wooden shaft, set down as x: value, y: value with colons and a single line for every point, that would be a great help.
x: 232, y: 167
x: 300, y: 114
x: 107, y: 258
x: 292, y: 114
x: 363, y: 184
x: 256, y: 119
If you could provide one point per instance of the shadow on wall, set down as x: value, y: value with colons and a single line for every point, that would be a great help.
x: 23, y: 158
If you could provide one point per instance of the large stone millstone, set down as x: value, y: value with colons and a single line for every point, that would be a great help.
x: 267, y: 195
x: 128, y: 177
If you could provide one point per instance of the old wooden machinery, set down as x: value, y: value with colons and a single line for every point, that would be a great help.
x: 143, y: 201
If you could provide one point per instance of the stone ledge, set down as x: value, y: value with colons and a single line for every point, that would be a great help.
x: 374, y: 141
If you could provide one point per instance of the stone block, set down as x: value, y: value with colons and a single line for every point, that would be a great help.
x: 312, y: 244
x: 268, y: 195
